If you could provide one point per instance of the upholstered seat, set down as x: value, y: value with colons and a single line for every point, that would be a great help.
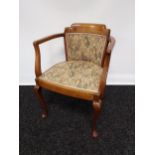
x: 76, y: 74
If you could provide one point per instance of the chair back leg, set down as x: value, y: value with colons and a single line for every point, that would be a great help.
x: 42, y: 102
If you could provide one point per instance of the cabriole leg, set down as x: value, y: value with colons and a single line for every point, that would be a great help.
x: 97, y: 110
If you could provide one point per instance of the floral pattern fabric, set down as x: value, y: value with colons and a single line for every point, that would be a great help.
x: 77, y: 74
x: 84, y: 46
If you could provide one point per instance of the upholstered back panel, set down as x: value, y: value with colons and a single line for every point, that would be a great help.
x: 86, y: 46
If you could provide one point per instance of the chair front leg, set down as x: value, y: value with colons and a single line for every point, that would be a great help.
x: 43, y: 104
x: 97, y: 110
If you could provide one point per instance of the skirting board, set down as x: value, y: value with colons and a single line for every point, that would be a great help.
x: 113, y: 79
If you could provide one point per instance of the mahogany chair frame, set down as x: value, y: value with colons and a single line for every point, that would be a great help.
x: 82, y: 94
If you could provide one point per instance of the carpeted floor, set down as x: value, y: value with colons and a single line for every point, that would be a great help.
x: 66, y: 131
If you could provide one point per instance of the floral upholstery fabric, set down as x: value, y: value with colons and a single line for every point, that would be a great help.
x: 76, y: 74
x: 84, y: 46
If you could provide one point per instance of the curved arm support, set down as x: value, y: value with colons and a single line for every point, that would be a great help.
x: 111, y: 44
x: 103, y: 77
x: 36, y: 44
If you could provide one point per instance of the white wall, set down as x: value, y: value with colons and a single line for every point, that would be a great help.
x: 39, y: 18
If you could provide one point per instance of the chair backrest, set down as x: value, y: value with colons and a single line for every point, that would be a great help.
x: 86, y: 42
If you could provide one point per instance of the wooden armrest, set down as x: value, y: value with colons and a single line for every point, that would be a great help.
x: 36, y: 44
x: 45, y: 39
x: 104, y: 74
x: 111, y: 44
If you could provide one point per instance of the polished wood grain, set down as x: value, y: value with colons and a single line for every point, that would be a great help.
x: 97, y: 110
x: 65, y: 90
x: 96, y: 98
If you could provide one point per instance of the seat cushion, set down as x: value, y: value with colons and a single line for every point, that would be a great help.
x: 77, y: 74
